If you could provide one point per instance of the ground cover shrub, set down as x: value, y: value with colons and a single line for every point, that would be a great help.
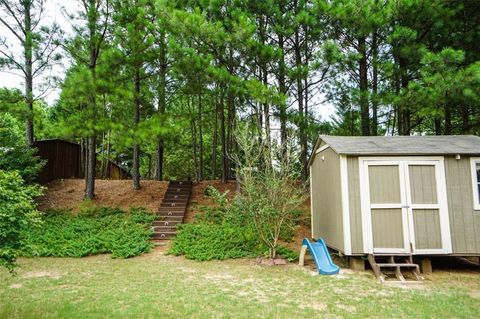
x: 204, y: 241
x: 96, y: 230
x: 216, y: 233
x: 222, y: 231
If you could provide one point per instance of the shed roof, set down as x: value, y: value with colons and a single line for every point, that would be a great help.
x: 404, y: 145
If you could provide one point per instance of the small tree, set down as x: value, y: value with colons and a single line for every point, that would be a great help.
x: 270, y: 187
x: 15, y: 155
x: 17, y: 213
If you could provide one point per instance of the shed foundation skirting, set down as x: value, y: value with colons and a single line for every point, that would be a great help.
x: 356, y: 263
x: 426, y: 266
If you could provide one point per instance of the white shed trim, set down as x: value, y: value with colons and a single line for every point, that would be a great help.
x: 347, y: 241
x: 473, y: 171
x: 311, y: 203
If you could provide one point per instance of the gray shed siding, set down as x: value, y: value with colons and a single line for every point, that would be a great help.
x: 355, y: 205
x: 464, y: 220
x: 326, y: 199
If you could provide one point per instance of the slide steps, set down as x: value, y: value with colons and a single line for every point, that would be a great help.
x: 399, y: 266
x: 172, y: 209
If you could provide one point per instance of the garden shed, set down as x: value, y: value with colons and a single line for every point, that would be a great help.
x: 415, y: 195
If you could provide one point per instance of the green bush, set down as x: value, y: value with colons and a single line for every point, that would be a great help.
x: 17, y: 214
x: 204, y: 241
x: 93, y: 231
x: 226, y: 230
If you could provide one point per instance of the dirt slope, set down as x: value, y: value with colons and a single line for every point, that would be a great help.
x: 69, y: 193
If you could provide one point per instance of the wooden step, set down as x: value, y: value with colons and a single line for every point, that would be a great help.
x: 170, y: 218
x: 161, y: 229
x: 175, y: 200
x: 391, y: 262
x: 178, y: 190
x: 171, y: 214
x: 181, y: 183
x: 168, y: 206
x: 176, y: 196
x: 171, y: 209
x: 397, y: 265
x: 163, y: 235
x: 166, y: 223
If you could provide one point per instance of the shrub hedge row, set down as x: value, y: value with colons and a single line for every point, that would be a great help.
x: 98, y: 231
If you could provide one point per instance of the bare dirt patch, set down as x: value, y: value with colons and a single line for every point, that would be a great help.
x: 69, y: 193
x: 41, y: 274
x: 15, y: 286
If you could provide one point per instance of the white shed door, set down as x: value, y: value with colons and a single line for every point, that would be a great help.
x: 404, y: 206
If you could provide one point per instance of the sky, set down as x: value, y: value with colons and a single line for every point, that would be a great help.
x: 53, y: 13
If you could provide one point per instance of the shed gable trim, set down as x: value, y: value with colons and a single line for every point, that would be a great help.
x: 321, y: 149
x: 403, y: 145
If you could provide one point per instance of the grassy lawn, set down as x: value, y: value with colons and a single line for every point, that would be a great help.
x: 158, y: 286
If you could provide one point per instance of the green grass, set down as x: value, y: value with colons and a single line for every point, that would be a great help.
x: 158, y: 286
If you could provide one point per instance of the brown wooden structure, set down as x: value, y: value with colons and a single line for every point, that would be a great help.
x: 64, y: 160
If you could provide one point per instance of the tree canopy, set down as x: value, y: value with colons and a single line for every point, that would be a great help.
x: 161, y: 87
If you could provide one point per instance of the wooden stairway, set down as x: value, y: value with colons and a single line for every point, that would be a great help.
x: 397, y: 265
x: 172, y: 209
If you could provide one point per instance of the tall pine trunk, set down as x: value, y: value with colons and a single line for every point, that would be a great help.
x: 92, y: 139
x: 200, y: 138
x: 28, y: 48
x: 283, y: 90
x: 300, y: 101
x: 230, y: 128
x: 374, y: 121
x: 404, y: 114
x: 136, y: 120
x: 161, y: 106
x: 448, y: 117
x: 215, y: 141
x: 222, y: 136
x: 363, y: 77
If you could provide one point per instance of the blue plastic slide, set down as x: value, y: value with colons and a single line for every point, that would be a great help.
x: 320, y: 254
